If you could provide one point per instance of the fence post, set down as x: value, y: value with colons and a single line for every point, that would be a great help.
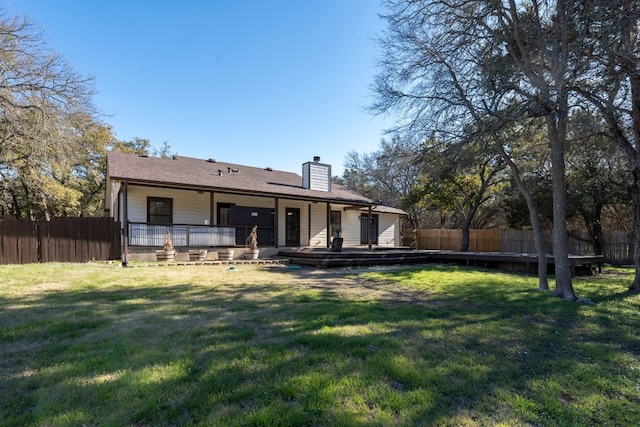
x: 39, y: 240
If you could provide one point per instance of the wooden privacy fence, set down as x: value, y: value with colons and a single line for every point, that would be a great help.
x: 617, y: 246
x: 450, y: 240
x: 61, y: 240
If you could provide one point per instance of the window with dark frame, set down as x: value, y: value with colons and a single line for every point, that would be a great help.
x: 224, y: 214
x: 336, y: 223
x: 159, y: 210
x: 369, y: 229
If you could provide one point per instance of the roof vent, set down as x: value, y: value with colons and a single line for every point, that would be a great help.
x: 211, y: 160
x: 174, y: 157
x: 316, y: 159
x: 268, y: 169
x: 220, y: 172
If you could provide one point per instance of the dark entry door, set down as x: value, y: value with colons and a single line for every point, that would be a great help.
x: 292, y: 237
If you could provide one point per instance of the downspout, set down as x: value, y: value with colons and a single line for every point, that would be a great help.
x: 309, y: 226
x: 328, y: 225
x: 275, y: 223
x: 125, y: 222
x: 369, y: 228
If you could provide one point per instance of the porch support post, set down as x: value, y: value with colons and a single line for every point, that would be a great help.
x: 328, y: 225
x: 125, y: 222
x: 369, y: 228
x: 309, y: 226
x: 275, y: 223
x: 212, y: 207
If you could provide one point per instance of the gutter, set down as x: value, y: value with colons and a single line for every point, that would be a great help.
x: 226, y: 190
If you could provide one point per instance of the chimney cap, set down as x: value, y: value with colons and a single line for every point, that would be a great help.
x: 316, y: 159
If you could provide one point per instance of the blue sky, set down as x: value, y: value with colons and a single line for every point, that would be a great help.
x: 260, y: 83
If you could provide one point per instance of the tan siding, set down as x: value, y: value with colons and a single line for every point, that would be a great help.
x: 351, y: 228
x: 318, y: 225
x: 388, y: 230
x: 189, y: 207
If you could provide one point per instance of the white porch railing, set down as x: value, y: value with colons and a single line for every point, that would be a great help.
x: 142, y: 234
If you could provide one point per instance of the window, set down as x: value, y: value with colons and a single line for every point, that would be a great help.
x: 336, y: 224
x: 224, y: 214
x: 159, y: 210
x: 367, y: 229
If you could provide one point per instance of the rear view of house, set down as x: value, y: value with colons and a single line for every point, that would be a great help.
x: 206, y: 203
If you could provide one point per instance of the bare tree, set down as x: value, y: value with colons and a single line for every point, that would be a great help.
x: 387, y: 175
x: 450, y: 64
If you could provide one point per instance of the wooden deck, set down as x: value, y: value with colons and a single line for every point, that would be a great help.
x: 527, y: 263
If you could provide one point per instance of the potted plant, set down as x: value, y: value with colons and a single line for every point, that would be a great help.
x: 336, y: 243
x: 252, y: 244
x: 168, y: 252
x: 197, y: 254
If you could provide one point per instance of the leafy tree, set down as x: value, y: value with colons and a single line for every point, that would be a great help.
x: 459, y: 180
x: 52, y: 146
x: 139, y: 146
x: 597, y: 175
x: 39, y: 93
x: 613, y: 85
x: 386, y: 175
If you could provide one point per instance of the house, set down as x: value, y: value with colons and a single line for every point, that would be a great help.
x: 206, y: 203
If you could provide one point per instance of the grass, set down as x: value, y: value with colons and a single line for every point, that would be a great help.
x: 204, y: 345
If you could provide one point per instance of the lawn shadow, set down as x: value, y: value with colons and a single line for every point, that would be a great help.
x: 328, y: 347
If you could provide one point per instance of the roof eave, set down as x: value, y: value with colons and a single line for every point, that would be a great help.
x: 182, y: 186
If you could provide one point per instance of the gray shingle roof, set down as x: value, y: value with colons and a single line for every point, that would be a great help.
x: 213, y: 175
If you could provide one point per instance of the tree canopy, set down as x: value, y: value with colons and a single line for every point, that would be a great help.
x: 52, y: 142
x: 460, y: 69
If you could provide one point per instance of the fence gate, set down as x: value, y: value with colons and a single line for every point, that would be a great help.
x: 61, y: 240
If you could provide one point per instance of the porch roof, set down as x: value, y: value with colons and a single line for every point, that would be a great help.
x: 212, y: 175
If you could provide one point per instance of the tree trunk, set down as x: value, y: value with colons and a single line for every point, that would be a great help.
x: 635, y: 196
x: 543, y: 280
x: 628, y: 28
x: 596, y: 237
x: 556, y: 117
x: 466, y: 226
x: 556, y: 128
x: 538, y: 236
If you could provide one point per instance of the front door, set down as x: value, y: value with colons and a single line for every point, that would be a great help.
x: 292, y: 237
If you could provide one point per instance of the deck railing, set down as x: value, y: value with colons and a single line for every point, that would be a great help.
x: 143, y: 234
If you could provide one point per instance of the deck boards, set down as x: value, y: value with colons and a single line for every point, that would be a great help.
x: 527, y: 263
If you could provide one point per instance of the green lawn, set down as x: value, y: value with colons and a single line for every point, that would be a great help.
x: 204, y: 345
